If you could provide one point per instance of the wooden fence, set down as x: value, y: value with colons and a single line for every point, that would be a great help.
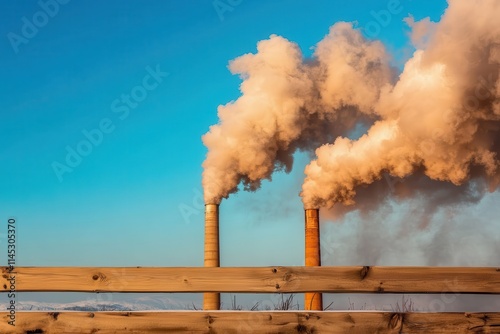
x: 253, y: 280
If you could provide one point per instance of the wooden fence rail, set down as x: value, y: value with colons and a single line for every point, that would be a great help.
x: 257, y: 280
x: 226, y: 322
x: 252, y: 280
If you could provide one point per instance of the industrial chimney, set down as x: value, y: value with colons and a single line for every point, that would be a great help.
x: 312, y: 300
x: 211, y: 300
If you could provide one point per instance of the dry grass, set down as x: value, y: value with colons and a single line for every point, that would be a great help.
x: 283, y: 304
x: 407, y: 305
x: 287, y: 302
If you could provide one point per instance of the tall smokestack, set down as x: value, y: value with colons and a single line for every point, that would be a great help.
x: 211, y: 300
x: 312, y: 300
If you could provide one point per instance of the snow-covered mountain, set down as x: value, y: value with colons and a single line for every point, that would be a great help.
x: 138, y: 304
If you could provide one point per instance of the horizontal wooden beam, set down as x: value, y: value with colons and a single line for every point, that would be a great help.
x: 250, y: 322
x: 256, y: 280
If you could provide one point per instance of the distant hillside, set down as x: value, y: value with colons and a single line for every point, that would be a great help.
x: 145, y: 303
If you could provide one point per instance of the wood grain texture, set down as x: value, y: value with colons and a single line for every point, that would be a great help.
x: 214, y: 322
x: 255, y: 280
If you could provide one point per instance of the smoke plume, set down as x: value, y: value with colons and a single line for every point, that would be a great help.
x: 436, y: 127
x: 441, y: 118
x: 289, y: 103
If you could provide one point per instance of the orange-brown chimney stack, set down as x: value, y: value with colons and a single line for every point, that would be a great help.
x: 211, y: 300
x: 312, y: 300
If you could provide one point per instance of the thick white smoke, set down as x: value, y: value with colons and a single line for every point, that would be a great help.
x: 441, y: 118
x: 436, y: 127
x: 290, y: 103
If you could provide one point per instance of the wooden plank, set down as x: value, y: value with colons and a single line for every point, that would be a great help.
x: 255, y: 280
x: 214, y: 322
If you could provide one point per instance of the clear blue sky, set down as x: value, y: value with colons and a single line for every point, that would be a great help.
x: 121, y: 205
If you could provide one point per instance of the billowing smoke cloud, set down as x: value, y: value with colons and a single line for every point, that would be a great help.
x: 289, y: 103
x: 441, y: 118
x: 436, y: 127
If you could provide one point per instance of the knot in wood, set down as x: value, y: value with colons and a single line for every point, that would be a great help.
x: 98, y: 276
x: 364, y: 272
x: 396, y: 320
x: 277, y: 286
x: 301, y: 328
x: 54, y: 315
